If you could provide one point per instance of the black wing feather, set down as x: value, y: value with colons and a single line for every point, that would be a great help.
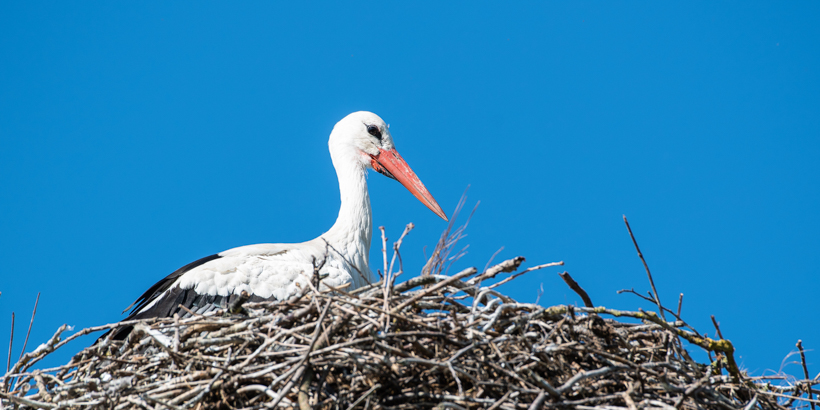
x: 169, y: 302
x: 155, y: 291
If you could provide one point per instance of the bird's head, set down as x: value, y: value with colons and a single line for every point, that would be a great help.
x: 366, y: 138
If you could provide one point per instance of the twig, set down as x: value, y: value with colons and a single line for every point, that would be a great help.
x: 693, y: 388
x: 587, y: 374
x: 785, y: 396
x: 649, y: 299
x: 627, y: 395
x: 717, y: 327
x: 539, y: 401
x: 396, y: 254
x: 501, y: 400
x: 448, y: 239
x: 262, y: 389
x: 30, y: 324
x: 528, y: 270
x: 304, y: 390
x: 386, y: 280
x: 27, y: 402
x: 364, y: 396
x: 487, y: 266
x: 384, y: 253
x: 805, y: 370
x: 577, y: 288
x: 158, y: 401
x: 680, y: 302
x: 541, y: 382
x: 751, y: 404
x: 451, y: 279
x: 317, y: 269
x: 11, y: 341
x: 649, y: 274
x: 508, y: 265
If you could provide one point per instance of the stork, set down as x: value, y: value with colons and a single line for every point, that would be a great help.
x: 277, y: 271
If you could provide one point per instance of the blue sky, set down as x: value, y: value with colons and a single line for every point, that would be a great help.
x: 138, y: 137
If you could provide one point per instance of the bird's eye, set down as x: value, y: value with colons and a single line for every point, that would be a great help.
x: 374, y: 131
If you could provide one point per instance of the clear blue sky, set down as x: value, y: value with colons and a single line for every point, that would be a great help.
x: 138, y: 137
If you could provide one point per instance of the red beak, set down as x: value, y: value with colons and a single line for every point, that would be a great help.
x: 391, y: 164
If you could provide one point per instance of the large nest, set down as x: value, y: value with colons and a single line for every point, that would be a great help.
x: 432, y: 341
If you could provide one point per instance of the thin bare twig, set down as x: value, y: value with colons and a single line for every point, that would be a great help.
x: 648, y: 274
x: 717, y: 327
x: 30, y: 324
x: 385, y: 278
x: 397, y: 254
x: 805, y: 370
x: 11, y: 342
x: 680, y: 303
x: 577, y: 288
x: 384, y: 253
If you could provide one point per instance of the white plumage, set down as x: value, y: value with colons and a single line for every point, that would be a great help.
x: 359, y: 142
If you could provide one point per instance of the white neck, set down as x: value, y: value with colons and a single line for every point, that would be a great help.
x: 350, y: 235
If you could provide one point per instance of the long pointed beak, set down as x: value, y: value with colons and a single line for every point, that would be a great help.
x: 391, y: 164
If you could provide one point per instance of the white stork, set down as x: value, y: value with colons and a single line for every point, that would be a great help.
x: 358, y: 142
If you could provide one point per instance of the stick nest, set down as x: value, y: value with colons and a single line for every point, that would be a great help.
x: 434, y: 341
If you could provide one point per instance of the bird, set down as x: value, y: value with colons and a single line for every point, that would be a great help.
x: 277, y: 271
